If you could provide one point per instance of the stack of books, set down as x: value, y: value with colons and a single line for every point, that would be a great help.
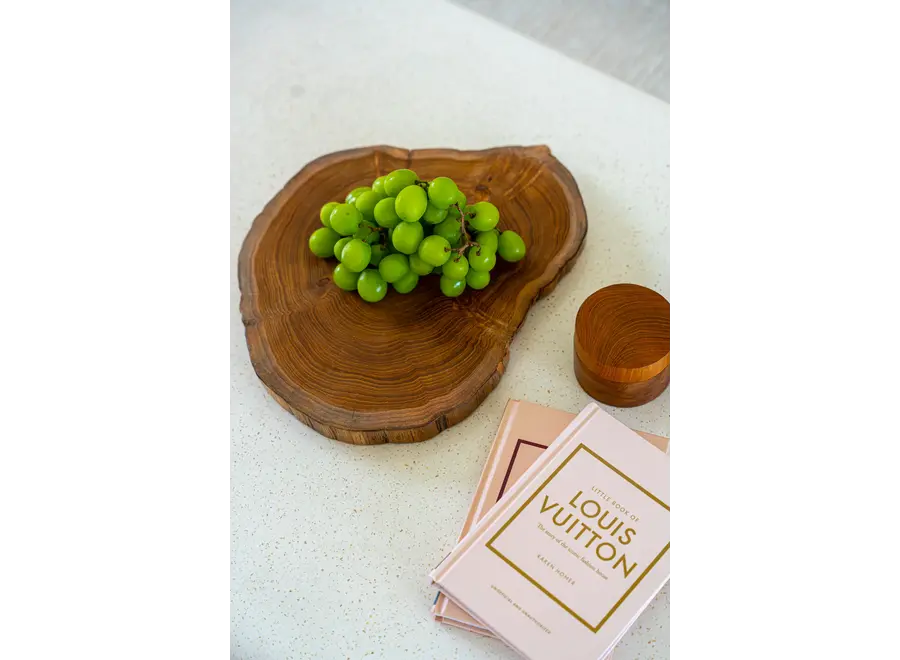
x: 567, y: 538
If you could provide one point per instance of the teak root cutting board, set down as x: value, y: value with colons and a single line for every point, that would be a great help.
x: 410, y: 366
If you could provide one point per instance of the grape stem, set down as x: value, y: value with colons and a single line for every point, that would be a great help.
x: 382, y: 234
x: 462, y: 225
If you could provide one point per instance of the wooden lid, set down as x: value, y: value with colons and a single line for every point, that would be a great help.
x: 622, y: 335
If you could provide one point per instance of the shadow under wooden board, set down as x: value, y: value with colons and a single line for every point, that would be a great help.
x: 410, y: 366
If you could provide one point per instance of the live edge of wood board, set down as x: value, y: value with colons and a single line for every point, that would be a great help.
x: 410, y: 366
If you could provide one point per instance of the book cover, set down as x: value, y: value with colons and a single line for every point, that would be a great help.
x: 525, y: 431
x: 575, y: 549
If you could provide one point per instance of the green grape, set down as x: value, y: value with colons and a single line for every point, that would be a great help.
x: 354, y: 194
x: 456, y: 268
x: 406, y: 283
x: 452, y: 288
x: 371, y: 286
x: 411, y: 203
x: 356, y: 255
x: 398, y: 180
x: 437, y: 270
x: 434, y: 250
x: 345, y: 278
x: 457, y: 243
x: 512, y: 247
x: 487, y: 240
x: 325, y: 213
x: 367, y: 233
x: 448, y: 229
x: 406, y: 236
x: 378, y: 186
x: 434, y: 215
x: 393, y: 267
x: 366, y: 202
x: 478, y: 279
x: 482, y: 260
x: 418, y: 266
x: 442, y: 192
x: 345, y: 219
x: 339, y: 247
x: 385, y: 215
x: 322, y: 242
x: 486, y: 216
x: 453, y: 214
x: 379, y: 252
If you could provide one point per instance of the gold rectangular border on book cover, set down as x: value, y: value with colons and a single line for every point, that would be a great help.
x: 544, y: 589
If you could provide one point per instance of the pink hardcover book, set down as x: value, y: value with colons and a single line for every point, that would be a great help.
x: 574, y: 550
x: 525, y: 431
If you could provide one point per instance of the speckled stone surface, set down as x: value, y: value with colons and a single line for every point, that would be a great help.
x: 332, y: 543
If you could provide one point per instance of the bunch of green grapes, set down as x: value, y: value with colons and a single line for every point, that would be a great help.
x: 402, y: 228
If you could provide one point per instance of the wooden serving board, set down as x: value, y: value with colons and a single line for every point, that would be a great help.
x: 403, y: 369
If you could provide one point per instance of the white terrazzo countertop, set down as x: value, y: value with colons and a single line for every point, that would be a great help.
x: 332, y: 543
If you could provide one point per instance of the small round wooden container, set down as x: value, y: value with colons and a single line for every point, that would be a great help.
x: 622, y: 345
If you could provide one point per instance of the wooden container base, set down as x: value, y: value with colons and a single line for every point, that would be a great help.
x: 622, y: 345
